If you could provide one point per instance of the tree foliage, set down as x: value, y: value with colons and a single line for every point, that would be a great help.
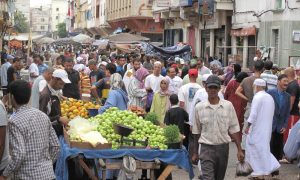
x: 61, y: 30
x: 21, y: 23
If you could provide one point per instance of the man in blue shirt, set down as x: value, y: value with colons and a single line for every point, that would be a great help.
x: 121, y: 61
x: 41, y: 65
x: 281, y: 115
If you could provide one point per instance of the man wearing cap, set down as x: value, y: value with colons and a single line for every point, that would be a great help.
x: 73, y: 89
x: 259, y: 131
x: 215, y: 120
x: 281, y: 115
x: 186, y: 79
x: 4, y: 69
x: 152, y: 82
x: 245, y: 91
x: 49, y: 101
x: 186, y: 96
x: 200, y: 96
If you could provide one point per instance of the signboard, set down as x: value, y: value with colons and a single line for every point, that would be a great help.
x: 157, y: 17
x: 206, y: 7
x: 163, y: 3
x: 296, y: 36
x: 185, y: 2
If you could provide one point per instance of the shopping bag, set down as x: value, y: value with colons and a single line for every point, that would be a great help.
x: 243, y: 169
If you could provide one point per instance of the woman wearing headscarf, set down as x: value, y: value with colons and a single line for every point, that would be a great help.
x: 136, y: 89
x: 161, y: 103
x: 117, y: 96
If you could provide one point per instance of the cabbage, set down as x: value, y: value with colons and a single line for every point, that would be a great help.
x: 93, y: 137
x: 84, y: 130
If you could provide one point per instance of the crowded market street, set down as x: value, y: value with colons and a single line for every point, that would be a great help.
x: 149, y: 89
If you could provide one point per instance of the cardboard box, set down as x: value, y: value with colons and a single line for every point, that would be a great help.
x: 84, y: 145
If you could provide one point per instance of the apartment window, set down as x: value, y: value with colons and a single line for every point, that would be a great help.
x: 56, y: 17
x: 42, y: 27
x: 279, y: 4
x: 42, y: 20
x: 57, y: 9
x: 97, y: 11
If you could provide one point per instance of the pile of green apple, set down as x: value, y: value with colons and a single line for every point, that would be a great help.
x: 142, y: 129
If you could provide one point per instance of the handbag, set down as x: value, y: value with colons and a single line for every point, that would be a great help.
x: 243, y: 169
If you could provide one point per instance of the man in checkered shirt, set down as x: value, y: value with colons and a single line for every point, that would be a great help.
x: 33, y: 143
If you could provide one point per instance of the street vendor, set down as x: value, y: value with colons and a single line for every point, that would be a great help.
x: 49, y: 101
x: 117, y: 96
x: 72, y: 90
x: 100, y: 89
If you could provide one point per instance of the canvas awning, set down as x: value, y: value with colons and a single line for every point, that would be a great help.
x: 248, y: 31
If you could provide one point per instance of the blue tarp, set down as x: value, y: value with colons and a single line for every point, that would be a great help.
x: 177, y: 157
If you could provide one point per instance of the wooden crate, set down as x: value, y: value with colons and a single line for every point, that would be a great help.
x: 84, y: 145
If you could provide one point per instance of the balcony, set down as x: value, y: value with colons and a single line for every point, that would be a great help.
x: 224, y: 5
x: 120, y: 9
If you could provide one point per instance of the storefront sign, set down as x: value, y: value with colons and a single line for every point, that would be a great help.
x: 163, y: 3
x: 249, y: 31
x: 206, y: 7
x: 157, y: 17
x: 185, y: 2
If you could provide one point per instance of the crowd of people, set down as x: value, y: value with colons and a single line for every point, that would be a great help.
x: 212, y: 106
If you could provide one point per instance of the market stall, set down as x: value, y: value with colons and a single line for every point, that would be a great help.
x: 116, y: 134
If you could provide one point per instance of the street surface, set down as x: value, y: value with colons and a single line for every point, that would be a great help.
x: 287, y: 171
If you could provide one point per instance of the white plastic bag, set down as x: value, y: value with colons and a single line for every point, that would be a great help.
x: 243, y: 169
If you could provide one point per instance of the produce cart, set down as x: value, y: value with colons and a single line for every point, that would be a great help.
x: 117, y: 134
x: 173, y: 157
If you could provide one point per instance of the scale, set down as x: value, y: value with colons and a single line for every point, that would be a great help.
x: 125, y: 131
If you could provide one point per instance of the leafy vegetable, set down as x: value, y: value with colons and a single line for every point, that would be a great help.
x: 172, y: 134
x: 152, y: 117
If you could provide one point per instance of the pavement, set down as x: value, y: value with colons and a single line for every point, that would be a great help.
x: 287, y: 171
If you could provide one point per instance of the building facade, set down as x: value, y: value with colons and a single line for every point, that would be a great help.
x: 271, y: 26
x: 41, y: 20
x: 24, y: 7
x: 59, y: 11
x: 135, y: 16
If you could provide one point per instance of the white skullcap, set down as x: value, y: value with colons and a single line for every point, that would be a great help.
x: 79, y: 59
x: 260, y: 82
x: 157, y: 63
x: 205, y: 76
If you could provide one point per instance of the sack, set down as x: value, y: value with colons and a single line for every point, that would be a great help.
x: 243, y: 169
x: 128, y: 170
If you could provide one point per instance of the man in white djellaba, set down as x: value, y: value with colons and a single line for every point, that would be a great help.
x: 259, y: 131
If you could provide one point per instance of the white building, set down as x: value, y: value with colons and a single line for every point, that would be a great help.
x: 40, y: 20
x: 24, y: 7
x: 271, y: 24
x: 59, y: 11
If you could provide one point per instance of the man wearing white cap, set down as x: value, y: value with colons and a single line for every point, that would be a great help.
x: 259, y: 131
x: 50, y: 99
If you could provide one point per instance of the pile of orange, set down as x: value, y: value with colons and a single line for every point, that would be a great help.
x: 71, y: 108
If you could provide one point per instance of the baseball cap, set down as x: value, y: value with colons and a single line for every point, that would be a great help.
x: 260, y: 82
x: 103, y: 63
x: 213, y: 80
x: 181, y: 61
x: 62, y: 74
x: 193, y: 73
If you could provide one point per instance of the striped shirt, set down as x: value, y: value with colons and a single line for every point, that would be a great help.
x: 270, y: 78
x: 214, y: 122
x: 33, y: 145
